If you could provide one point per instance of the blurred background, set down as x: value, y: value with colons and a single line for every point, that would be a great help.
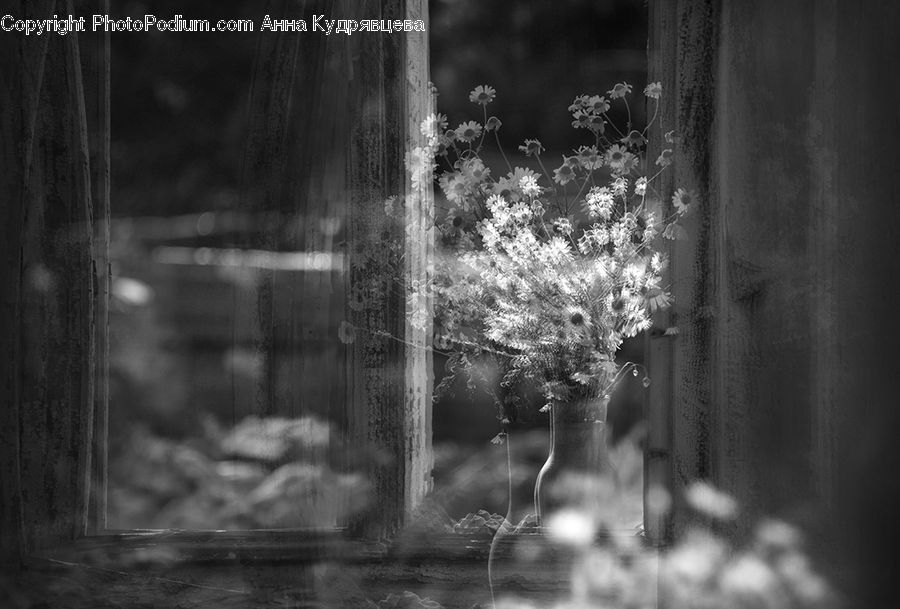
x: 216, y: 422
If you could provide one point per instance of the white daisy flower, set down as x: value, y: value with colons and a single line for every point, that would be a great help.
x: 482, y: 94
x: 532, y: 148
x: 581, y: 102
x: 683, y: 199
x: 615, y: 156
x: 620, y: 90
x: 599, y: 202
x: 590, y: 158
x: 529, y: 186
x: 598, y: 104
x: 564, y: 174
x: 653, y: 90
x: 640, y: 186
x: 563, y: 226
x: 468, y: 131
x: 433, y: 125
x: 493, y: 124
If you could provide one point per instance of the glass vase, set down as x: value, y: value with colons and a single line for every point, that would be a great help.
x: 578, y: 471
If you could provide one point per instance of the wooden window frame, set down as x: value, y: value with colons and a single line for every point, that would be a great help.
x: 398, y: 80
x: 390, y: 73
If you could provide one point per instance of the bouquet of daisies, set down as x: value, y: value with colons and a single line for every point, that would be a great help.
x: 546, y: 273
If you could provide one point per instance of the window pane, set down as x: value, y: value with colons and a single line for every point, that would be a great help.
x: 227, y: 370
x: 537, y: 57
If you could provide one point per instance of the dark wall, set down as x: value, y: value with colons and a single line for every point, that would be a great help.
x: 784, y: 385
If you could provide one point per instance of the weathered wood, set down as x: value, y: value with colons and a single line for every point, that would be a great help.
x: 736, y: 279
x: 48, y: 285
x: 824, y: 254
x: 279, y: 162
x: 313, y: 569
x: 216, y: 547
x: 861, y: 422
x: 21, y: 76
x: 389, y: 388
x: 682, y: 56
x: 418, y: 270
x: 659, y: 348
x: 785, y: 376
x: 96, y: 68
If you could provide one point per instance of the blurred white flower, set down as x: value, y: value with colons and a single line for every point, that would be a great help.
x: 692, y: 563
x: 711, y: 502
x: 774, y: 537
x: 571, y: 527
x: 748, y: 581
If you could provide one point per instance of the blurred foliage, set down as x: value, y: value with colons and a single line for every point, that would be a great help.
x: 704, y: 569
x: 179, y: 100
x: 179, y: 103
x: 539, y: 56
x: 263, y: 473
x: 405, y: 600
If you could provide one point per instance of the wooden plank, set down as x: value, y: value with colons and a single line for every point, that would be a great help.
x: 389, y: 386
x: 21, y: 76
x: 682, y: 55
x: 824, y: 254
x: 861, y: 425
x: 280, y: 65
x: 659, y: 349
x: 323, y: 570
x: 96, y: 68
x: 374, y: 379
x: 55, y: 367
x: 418, y: 271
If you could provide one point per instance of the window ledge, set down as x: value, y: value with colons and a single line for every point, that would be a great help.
x: 246, y: 568
x: 289, y: 546
x: 213, y: 547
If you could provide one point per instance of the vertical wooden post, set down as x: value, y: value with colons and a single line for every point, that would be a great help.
x: 659, y: 347
x: 418, y: 270
x: 682, y: 52
x: 824, y: 252
x: 48, y: 286
x: 21, y: 76
x: 389, y: 364
x: 96, y: 66
x: 281, y: 160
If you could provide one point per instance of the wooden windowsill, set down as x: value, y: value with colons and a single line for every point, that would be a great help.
x: 286, y: 546
x: 215, y: 546
x: 329, y: 567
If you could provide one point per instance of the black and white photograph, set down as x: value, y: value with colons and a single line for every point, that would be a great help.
x: 449, y: 304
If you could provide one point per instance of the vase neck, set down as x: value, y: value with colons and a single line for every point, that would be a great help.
x: 584, y: 409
